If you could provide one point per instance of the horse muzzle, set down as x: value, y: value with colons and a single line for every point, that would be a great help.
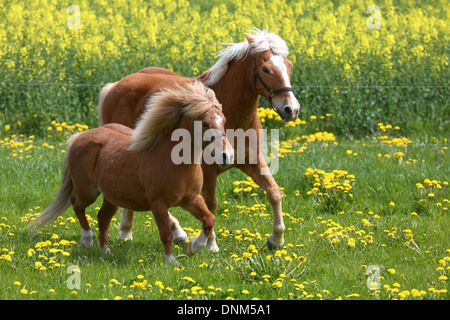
x: 287, y: 108
x: 225, y: 158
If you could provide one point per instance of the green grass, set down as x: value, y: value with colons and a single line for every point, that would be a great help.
x: 311, y: 266
x: 345, y: 75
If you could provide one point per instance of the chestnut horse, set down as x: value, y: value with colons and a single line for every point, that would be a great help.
x: 134, y: 168
x: 245, y: 70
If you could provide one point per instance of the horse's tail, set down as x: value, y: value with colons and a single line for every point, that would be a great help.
x: 103, y: 94
x: 62, y: 201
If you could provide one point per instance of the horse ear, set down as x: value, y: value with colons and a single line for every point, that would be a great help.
x: 249, y: 37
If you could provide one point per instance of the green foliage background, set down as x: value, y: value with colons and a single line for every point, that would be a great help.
x: 398, y: 73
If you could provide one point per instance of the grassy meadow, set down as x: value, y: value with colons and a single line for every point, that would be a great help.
x: 364, y: 170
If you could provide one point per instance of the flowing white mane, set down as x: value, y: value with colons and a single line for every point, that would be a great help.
x: 262, y: 41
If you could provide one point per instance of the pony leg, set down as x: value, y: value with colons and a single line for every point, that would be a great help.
x: 165, y: 232
x: 179, y: 235
x: 126, y: 228
x: 104, y: 217
x: 268, y: 184
x: 211, y: 245
x: 199, y: 210
x: 209, y: 194
x: 126, y: 225
x: 86, y: 232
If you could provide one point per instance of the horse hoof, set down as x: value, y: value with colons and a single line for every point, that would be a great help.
x: 125, y: 235
x: 273, y: 246
x: 213, y: 247
x: 170, y: 259
x: 182, y: 242
x: 87, y: 240
x: 86, y: 244
x: 180, y: 237
x: 188, y: 250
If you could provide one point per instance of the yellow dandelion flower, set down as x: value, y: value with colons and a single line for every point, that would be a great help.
x: 391, y: 271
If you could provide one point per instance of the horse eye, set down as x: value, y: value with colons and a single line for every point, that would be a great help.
x: 205, y: 125
x: 265, y: 70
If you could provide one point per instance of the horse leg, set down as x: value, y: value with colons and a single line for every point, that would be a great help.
x: 126, y: 228
x: 165, y: 232
x: 86, y: 232
x: 104, y: 217
x: 268, y: 184
x: 126, y: 224
x: 209, y: 195
x: 199, y: 210
x: 180, y: 236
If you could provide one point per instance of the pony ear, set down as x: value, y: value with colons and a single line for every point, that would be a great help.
x: 249, y: 37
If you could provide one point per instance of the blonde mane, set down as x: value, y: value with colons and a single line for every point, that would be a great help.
x: 262, y: 41
x: 165, y: 109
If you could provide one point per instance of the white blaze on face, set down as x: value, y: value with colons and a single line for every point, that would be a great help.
x: 226, y: 152
x: 218, y: 120
x: 278, y: 62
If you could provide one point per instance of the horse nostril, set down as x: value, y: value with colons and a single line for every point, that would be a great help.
x: 226, y: 159
x: 288, y: 110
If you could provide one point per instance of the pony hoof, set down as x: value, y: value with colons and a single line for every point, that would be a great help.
x: 180, y: 237
x: 272, y: 246
x: 213, y: 247
x: 87, y: 240
x: 170, y: 259
x: 182, y: 242
x: 86, y: 244
x: 124, y: 235
x: 188, y: 250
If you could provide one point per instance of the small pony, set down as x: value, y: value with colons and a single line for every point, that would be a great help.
x: 134, y: 168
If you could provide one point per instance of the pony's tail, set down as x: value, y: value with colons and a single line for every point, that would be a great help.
x: 62, y: 201
x: 103, y: 94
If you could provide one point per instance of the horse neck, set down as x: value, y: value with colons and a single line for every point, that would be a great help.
x: 236, y: 93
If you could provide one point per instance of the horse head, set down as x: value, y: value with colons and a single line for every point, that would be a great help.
x: 215, y: 139
x: 271, y: 79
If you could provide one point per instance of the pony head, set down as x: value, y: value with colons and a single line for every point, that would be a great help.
x: 165, y: 109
